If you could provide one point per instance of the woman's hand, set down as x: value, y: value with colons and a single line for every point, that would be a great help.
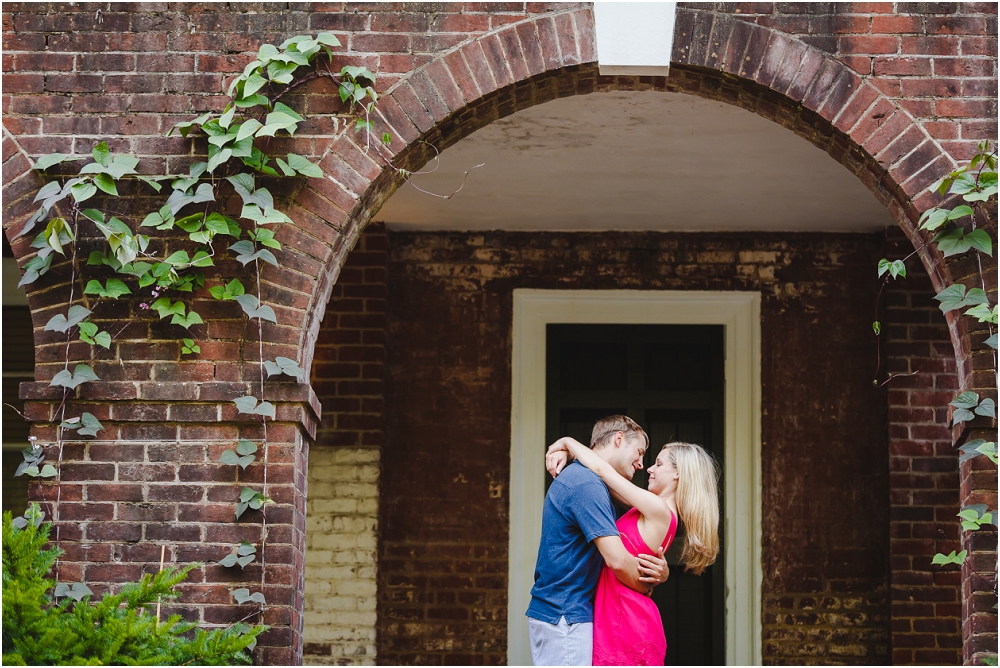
x: 559, y: 455
x: 556, y: 461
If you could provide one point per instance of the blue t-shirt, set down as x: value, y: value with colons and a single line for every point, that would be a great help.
x: 577, y: 510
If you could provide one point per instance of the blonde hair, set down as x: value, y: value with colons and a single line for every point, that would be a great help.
x: 606, y: 428
x: 697, y: 503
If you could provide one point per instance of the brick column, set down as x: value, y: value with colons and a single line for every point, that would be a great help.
x: 150, y: 481
x: 348, y: 374
x: 923, y: 478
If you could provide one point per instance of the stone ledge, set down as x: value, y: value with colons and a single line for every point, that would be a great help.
x: 201, y: 395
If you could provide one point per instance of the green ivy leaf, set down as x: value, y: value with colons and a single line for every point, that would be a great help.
x: 284, y: 365
x: 151, y: 181
x: 955, y: 297
x: 249, y: 406
x: 61, y: 323
x: 106, y: 183
x: 185, y: 127
x: 114, y: 289
x: 977, y: 447
x: 965, y: 400
x: 254, y: 309
x: 243, y: 595
x: 983, y: 313
x: 77, y: 591
x: 952, y: 558
x: 57, y: 233
x: 191, y: 318
x: 102, y: 154
x: 164, y: 307
x: 229, y: 457
x: 987, y: 408
x: 954, y: 242
x: 245, y: 447
x: 83, y: 191
x: 981, y: 241
x: 231, y: 290
x: 992, y: 342
x: 230, y: 559
x: 304, y: 167
x: 219, y: 158
x: 265, y: 237
x: 46, y: 161
x: 36, y: 267
x: 81, y: 374
x: 89, y: 425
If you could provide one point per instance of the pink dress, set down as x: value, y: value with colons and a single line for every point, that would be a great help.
x: 628, y: 630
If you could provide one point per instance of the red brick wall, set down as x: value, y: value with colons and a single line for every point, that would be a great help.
x: 936, y: 59
x: 923, y: 478
x: 349, y: 365
x: 442, y: 569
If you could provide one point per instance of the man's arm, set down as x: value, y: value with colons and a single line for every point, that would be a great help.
x: 624, y: 565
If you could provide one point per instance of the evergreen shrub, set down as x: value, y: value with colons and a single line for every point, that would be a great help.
x: 49, y: 624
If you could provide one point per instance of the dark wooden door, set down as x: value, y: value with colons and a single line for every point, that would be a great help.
x: 670, y: 379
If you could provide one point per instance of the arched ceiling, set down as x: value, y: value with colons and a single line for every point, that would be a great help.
x: 636, y: 161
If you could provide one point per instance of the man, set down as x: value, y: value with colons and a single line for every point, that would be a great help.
x: 578, y: 537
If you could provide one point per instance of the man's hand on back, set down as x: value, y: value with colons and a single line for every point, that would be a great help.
x: 653, y: 569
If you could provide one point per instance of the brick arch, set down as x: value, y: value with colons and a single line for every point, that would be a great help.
x: 715, y: 56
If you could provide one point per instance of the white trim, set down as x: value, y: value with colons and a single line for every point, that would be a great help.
x: 739, y: 312
x: 634, y: 38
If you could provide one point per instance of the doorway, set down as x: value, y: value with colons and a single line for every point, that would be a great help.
x: 738, y: 314
x: 670, y: 379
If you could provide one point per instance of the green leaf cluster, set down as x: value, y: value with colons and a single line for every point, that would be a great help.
x: 85, y: 425
x: 120, y: 629
x: 32, y: 466
x: 242, y: 456
x: 81, y: 374
x: 979, y: 446
x: 243, y: 555
x: 952, y: 558
x: 967, y: 406
x: 975, y: 516
x: 250, y: 500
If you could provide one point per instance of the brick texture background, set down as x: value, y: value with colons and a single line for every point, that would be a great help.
x: 446, y: 463
x: 897, y: 92
x: 923, y: 478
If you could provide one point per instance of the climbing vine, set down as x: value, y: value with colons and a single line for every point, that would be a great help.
x: 959, y: 230
x: 138, y: 271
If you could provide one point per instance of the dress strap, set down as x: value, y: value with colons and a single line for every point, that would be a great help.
x: 671, y: 531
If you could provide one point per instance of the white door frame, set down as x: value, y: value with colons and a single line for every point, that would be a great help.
x: 739, y: 313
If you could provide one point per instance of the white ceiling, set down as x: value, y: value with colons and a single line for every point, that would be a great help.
x: 636, y: 161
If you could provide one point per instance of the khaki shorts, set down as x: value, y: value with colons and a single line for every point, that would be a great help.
x: 561, y: 644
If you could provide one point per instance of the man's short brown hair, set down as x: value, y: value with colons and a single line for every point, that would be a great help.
x: 606, y: 428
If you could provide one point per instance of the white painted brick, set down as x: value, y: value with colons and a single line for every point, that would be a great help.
x: 341, y: 536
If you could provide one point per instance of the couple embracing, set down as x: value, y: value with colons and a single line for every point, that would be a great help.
x: 584, y: 550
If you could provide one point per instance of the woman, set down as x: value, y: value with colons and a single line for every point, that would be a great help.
x: 683, y: 483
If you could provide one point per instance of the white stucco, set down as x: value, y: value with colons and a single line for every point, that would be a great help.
x: 637, y: 161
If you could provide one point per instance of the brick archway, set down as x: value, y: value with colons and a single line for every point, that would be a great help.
x: 716, y: 56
